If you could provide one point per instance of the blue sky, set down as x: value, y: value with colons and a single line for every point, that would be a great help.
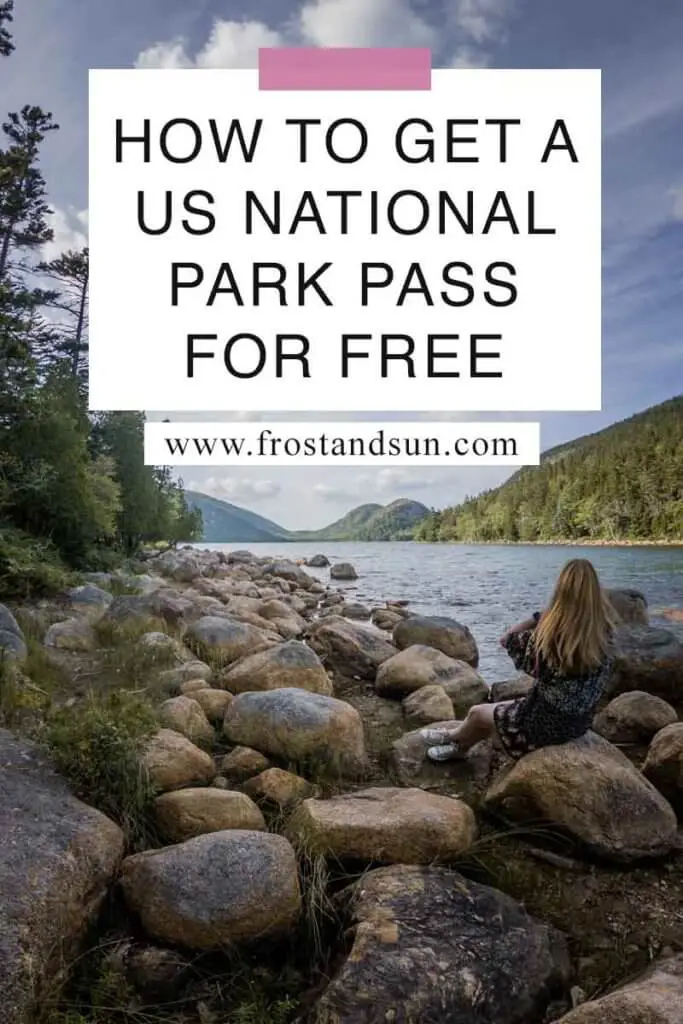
x: 640, y: 50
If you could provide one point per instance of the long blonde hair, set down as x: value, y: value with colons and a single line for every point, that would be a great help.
x: 573, y: 635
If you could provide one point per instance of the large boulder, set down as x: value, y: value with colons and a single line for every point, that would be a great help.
x: 89, y: 599
x: 223, y: 640
x: 214, y: 703
x: 633, y: 718
x: 186, y: 716
x: 439, y: 631
x: 430, y: 946
x: 166, y: 606
x: 589, y: 790
x: 418, y: 665
x: 426, y: 705
x: 664, y: 764
x: 289, y: 571
x: 57, y: 860
x: 629, y: 605
x: 656, y: 997
x: 350, y: 649
x: 12, y: 643
x: 215, y: 890
x: 288, y: 665
x: 186, y: 813
x: 649, y: 659
x: 71, y: 635
x: 510, y: 689
x: 174, y: 762
x: 343, y: 571
x: 384, y: 825
x: 318, y: 561
x: 299, y: 727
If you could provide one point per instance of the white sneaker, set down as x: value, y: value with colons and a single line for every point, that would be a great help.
x: 434, y: 736
x: 444, y: 752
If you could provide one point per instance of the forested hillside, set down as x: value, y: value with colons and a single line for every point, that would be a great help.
x: 371, y: 522
x: 225, y: 523
x: 74, y: 492
x: 624, y: 483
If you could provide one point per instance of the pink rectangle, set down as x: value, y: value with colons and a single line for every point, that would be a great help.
x: 345, y: 68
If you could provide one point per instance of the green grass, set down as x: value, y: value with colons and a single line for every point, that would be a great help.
x: 30, y: 567
x: 97, y: 745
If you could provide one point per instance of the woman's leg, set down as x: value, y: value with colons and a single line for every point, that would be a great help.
x: 478, y: 725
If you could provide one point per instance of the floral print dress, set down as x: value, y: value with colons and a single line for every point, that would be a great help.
x: 556, y: 710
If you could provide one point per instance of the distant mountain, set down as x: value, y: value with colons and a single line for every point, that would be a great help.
x: 396, y: 521
x: 624, y: 483
x: 225, y: 523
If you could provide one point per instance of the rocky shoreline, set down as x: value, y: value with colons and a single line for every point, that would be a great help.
x: 280, y: 851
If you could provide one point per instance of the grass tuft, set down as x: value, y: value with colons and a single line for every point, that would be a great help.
x: 97, y: 746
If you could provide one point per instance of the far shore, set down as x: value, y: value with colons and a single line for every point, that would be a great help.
x: 584, y: 543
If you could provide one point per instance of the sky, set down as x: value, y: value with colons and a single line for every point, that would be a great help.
x: 640, y: 51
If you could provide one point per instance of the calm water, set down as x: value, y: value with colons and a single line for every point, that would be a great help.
x: 487, y: 588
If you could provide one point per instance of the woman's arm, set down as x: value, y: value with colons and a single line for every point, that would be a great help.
x: 522, y: 627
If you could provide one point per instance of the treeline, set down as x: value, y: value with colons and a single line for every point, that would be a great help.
x: 622, y: 484
x: 73, y: 486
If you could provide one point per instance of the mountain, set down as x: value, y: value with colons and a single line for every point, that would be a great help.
x: 624, y: 483
x: 225, y: 523
x: 396, y: 521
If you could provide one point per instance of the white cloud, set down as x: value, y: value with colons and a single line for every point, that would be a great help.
x: 236, y: 488
x: 482, y: 21
x: 235, y: 44
x: 70, y: 229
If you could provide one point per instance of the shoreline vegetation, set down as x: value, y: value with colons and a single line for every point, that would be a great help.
x: 235, y: 832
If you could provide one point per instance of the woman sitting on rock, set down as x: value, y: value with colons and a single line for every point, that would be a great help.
x: 567, y: 651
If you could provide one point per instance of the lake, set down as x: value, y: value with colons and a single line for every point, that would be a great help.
x: 488, y: 588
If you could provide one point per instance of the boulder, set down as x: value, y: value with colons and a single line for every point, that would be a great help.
x: 195, y: 812
x: 292, y: 664
x: 160, y: 604
x: 428, y: 945
x: 12, y: 644
x: 71, y: 635
x: 446, y: 635
x: 590, y: 791
x: 300, y: 727
x: 225, y: 640
x: 89, y: 599
x: 510, y: 689
x: 343, y: 571
x: 417, y: 666
x: 664, y: 764
x: 289, y: 572
x: 630, y: 606
x: 384, y: 825
x: 185, y: 715
x: 318, y: 562
x: 173, y: 678
x: 191, y: 686
x: 174, y: 762
x: 633, y: 718
x: 279, y: 788
x: 350, y: 649
x: 408, y: 757
x: 656, y: 997
x: 58, y: 858
x: 242, y: 763
x: 426, y: 705
x: 385, y: 618
x: 214, y: 703
x: 215, y: 890
x: 649, y: 659
x: 353, y: 610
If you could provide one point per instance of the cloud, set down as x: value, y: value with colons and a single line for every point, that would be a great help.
x: 236, y: 488
x: 385, y: 483
x: 235, y: 44
x: 70, y: 228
